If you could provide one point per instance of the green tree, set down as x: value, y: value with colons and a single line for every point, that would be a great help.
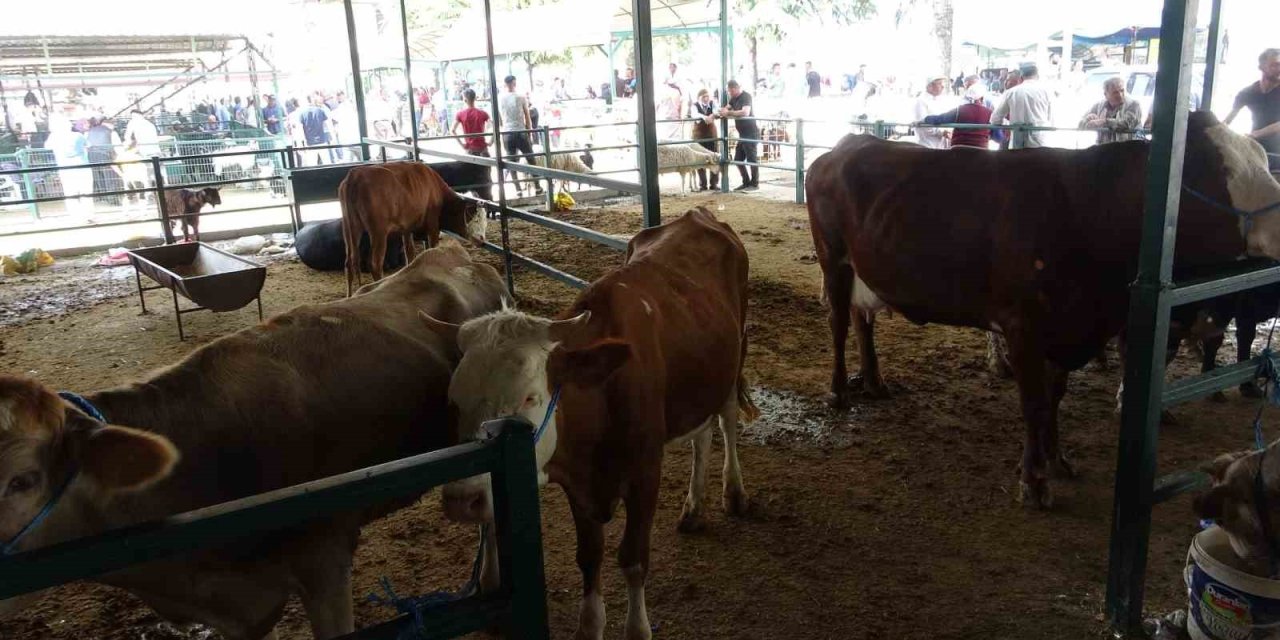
x: 774, y: 20
x: 942, y: 17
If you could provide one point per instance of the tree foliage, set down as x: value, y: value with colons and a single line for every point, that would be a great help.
x: 775, y: 20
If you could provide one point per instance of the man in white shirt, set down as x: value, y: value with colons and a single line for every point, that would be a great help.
x: 515, y: 121
x: 931, y: 103
x: 143, y: 134
x: 1028, y: 103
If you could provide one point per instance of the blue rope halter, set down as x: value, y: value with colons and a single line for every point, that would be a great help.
x: 1247, y: 216
x: 92, y: 411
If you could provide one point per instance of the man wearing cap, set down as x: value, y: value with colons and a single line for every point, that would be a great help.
x: 1116, y: 117
x: 1028, y: 103
x: 1263, y: 100
x: 930, y: 103
x: 973, y: 111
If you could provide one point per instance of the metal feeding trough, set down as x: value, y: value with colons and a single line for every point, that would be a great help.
x: 212, y: 278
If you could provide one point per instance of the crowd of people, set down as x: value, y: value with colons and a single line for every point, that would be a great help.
x: 1026, y: 101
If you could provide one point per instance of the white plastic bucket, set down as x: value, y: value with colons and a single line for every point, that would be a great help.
x: 1226, y: 603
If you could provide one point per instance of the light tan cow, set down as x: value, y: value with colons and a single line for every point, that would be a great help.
x: 320, y: 390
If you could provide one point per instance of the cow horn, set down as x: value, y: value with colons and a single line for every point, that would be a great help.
x: 560, y: 330
x: 447, y: 330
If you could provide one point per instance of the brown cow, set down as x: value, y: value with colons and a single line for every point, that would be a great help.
x: 1038, y: 244
x: 320, y: 390
x: 400, y: 198
x: 184, y: 205
x: 648, y: 354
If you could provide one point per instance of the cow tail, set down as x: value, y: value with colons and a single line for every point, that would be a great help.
x: 747, y: 409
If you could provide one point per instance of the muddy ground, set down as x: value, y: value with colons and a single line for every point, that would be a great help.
x: 896, y: 519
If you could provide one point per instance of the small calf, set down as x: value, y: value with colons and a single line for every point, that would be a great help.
x: 184, y: 205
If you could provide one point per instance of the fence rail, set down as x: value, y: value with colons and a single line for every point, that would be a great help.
x: 519, y: 605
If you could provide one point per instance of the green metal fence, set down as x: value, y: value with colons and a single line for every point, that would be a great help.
x: 518, y: 606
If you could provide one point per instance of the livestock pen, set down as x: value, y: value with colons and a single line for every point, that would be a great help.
x: 922, y: 503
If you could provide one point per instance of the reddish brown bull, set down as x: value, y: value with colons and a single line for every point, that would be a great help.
x: 400, y: 198
x: 187, y: 204
x: 650, y: 353
x: 1038, y: 244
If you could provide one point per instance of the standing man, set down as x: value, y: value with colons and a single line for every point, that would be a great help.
x: 1263, y: 100
x: 973, y: 111
x: 1027, y: 103
x: 1116, y: 117
x: 513, y: 110
x: 472, y: 121
x: 930, y: 103
x: 813, y: 79
x: 739, y: 108
x: 143, y: 134
x: 312, y: 120
x: 272, y: 116
x: 704, y: 131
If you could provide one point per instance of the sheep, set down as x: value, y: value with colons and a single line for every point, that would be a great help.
x: 685, y: 159
x: 246, y: 164
x: 565, y: 162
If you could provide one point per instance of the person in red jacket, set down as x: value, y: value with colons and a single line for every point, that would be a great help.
x: 973, y: 111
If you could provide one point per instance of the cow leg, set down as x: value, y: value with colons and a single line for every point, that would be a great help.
x: 1058, y: 463
x: 324, y: 578
x: 351, y: 239
x: 590, y: 557
x: 490, y: 577
x: 410, y: 247
x: 377, y: 254
x: 864, y: 326
x: 998, y: 356
x: 1246, y: 331
x: 692, y: 518
x: 839, y: 286
x: 633, y: 554
x: 1209, y: 360
x: 735, y: 496
x: 1030, y: 370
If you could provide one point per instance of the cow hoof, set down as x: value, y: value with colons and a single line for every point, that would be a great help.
x: 839, y: 401
x: 1167, y: 419
x: 1036, y: 494
x: 691, y: 522
x: 1221, y: 397
x: 736, y: 503
x: 999, y: 368
x: 1251, y: 390
x: 868, y: 387
x: 1062, y: 468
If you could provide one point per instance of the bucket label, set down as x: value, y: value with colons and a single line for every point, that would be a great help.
x: 1224, y: 613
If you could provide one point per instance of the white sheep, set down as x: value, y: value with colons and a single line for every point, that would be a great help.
x: 244, y: 165
x: 685, y: 159
x: 564, y: 162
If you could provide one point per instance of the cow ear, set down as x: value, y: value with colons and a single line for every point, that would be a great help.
x: 446, y: 330
x: 1209, y: 505
x: 1217, y: 469
x: 588, y: 366
x: 124, y: 459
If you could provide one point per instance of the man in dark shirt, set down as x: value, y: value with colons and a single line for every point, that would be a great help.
x: 1263, y: 100
x: 272, y: 115
x: 814, y: 80
x: 739, y: 108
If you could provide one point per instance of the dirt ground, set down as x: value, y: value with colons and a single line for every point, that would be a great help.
x: 895, y: 519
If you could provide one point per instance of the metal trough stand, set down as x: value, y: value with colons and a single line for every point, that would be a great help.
x: 213, y: 279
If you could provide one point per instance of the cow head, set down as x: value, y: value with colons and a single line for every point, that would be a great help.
x: 512, y: 363
x: 44, y: 440
x: 1232, y: 168
x: 211, y: 196
x: 477, y: 223
x: 1232, y: 501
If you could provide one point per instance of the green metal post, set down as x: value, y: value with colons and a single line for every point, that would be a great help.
x: 408, y: 81
x: 519, y: 531
x: 24, y: 161
x: 642, y: 23
x: 1148, y: 325
x: 546, y: 160
x: 1213, y: 55
x: 799, y: 161
x: 357, y: 88
x: 880, y: 130
x: 158, y: 171
x: 726, y: 59
x: 500, y: 163
x: 613, y: 86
